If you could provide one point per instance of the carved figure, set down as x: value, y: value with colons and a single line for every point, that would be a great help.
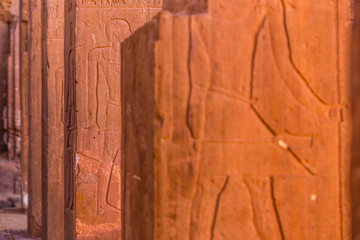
x: 103, y: 82
x: 236, y: 125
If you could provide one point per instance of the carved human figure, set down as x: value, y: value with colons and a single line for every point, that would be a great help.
x: 236, y: 124
x: 103, y: 82
x: 53, y: 11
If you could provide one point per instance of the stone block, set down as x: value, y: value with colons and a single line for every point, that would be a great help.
x: 236, y: 123
x: 35, y: 135
x: 24, y: 96
x: 355, y: 105
x: 13, y: 84
x: 52, y: 91
x: 93, y: 33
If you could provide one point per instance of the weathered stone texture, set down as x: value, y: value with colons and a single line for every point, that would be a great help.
x: 5, y: 11
x: 355, y: 104
x: 53, y: 126
x: 13, y: 86
x: 94, y: 31
x: 236, y: 123
x: 4, y: 53
x: 186, y: 6
x: 24, y: 95
x: 34, y: 100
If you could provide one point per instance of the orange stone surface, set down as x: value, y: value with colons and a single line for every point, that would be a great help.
x: 94, y: 30
x: 52, y: 121
x: 236, y: 122
x: 355, y: 97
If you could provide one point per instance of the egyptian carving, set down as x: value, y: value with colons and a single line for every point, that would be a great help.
x: 237, y: 116
x: 5, y: 11
x: 238, y: 92
x: 103, y: 71
x: 120, y: 3
x: 93, y: 130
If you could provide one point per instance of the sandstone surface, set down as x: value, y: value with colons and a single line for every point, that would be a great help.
x: 236, y: 122
x: 94, y: 31
x: 34, y: 101
x: 52, y: 93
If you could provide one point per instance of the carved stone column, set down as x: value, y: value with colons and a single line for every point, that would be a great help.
x: 355, y: 102
x: 236, y: 125
x: 5, y: 19
x: 13, y: 86
x: 24, y: 95
x: 52, y: 91
x: 94, y: 31
x: 34, y: 101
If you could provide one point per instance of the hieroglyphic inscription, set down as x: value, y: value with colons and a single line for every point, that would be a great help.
x: 119, y: 3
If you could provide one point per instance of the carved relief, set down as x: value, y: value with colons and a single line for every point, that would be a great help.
x: 104, y: 100
x: 100, y: 27
x: 237, y: 126
x: 119, y: 3
x: 241, y: 104
x: 5, y: 15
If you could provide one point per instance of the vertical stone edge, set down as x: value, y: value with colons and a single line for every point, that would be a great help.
x: 52, y: 120
x: 13, y: 93
x: 34, y: 101
x: 44, y: 121
x: 142, y: 183
x: 355, y: 108
x: 24, y: 103
x: 70, y: 125
x: 138, y: 210
x: 345, y: 14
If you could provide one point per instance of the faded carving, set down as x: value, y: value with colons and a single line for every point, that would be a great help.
x: 53, y: 10
x: 70, y: 132
x: 119, y: 3
x: 103, y: 72
x: 238, y: 109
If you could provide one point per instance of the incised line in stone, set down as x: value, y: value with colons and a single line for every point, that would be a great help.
x: 275, y: 208
x: 291, y: 58
x: 254, y: 56
x: 217, y: 204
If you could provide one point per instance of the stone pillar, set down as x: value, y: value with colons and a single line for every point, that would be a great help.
x: 24, y: 86
x: 52, y: 116
x: 13, y: 86
x: 355, y: 104
x: 5, y: 18
x: 34, y: 101
x: 93, y: 33
x: 236, y: 125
